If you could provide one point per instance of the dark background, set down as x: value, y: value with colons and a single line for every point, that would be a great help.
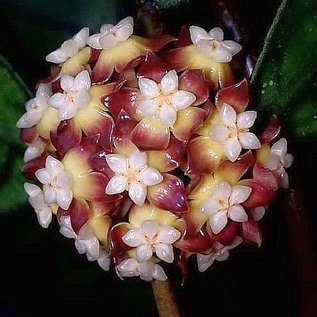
x: 41, y: 272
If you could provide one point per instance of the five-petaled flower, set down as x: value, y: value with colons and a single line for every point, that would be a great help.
x: 225, y: 202
x: 69, y: 48
x: 151, y: 236
x: 163, y: 100
x: 232, y: 131
x: 57, y: 183
x: 75, y: 95
x: 132, y: 174
x: 212, y: 45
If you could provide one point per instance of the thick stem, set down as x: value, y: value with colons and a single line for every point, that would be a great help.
x: 165, y: 299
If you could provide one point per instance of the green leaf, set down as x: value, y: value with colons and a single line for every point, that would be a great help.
x: 13, y: 95
x: 286, y: 67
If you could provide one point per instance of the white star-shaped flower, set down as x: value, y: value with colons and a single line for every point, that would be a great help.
x: 204, y: 261
x: 163, y: 100
x: 35, y: 107
x: 212, y: 45
x: 232, y: 131
x: 69, y: 48
x: 85, y: 242
x: 36, y: 200
x: 112, y: 35
x: 224, y: 203
x: 57, y: 183
x: 151, y: 237
x: 75, y: 96
x: 34, y: 150
x: 146, y: 270
x: 279, y: 159
x: 132, y: 174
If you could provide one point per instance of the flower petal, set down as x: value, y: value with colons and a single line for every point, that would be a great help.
x: 219, y: 132
x: 164, y: 252
x: 150, y: 176
x: 197, y: 33
x: 245, y: 120
x: 148, y: 88
x: 137, y: 160
x: 216, y: 34
x: 134, y: 238
x: 169, y: 83
x: 227, y: 115
x: 144, y: 252
x: 182, y: 99
x: 210, y: 207
x: 237, y: 213
x: 232, y: 46
x: 218, y: 221
x: 232, y: 149
x: 151, y: 134
x: 167, y: 115
x: 169, y: 194
x: 116, y: 185
x: 249, y: 141
x: 118, y: 163
x: 239, y: 194
x: 222, y: 190
x: 137, y: 193
x: 147, y: 108
x: 168, y: 235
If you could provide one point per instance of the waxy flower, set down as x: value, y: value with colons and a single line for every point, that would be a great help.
x: 212, y: 44
x: 132, y: 174
x: 232, y: 131
x: 279, y: 159
x: 85, y: 242
x: 75, y: 95
x: 151, y: 237
x: 69, y: 48
x: 57, y: 183
x: 219, y: 253
x: 163, y: 100
x: 147, y: 271
x: 36, y: 200
x: 225, y: 202
x: 35, y: 107
x: 34, y: 150
x: 112, y: 35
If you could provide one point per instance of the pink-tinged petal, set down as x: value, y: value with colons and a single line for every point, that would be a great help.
x: 79, y: 214
x: 116, y: 233
x: 197, y: 33
x: 144, y: 253
x: 126, y: 99
x: 169, y: 82
x: 272, y: 130
x: 121, y: 136
x: 137, y: 193
x: 251, y: 232
x: 103, y: 69
x: 67, y: 136
x: 98, y: 163
x: 249, y: 140
x: 227, y: 115
x: 260, y: 195
x: 169, y: 195
x: 193, y: 81
x: 218, y: 221
x: 151, y: 134
x: 231, y: 172
x: 30, y: 167
x: 237, y: 96
x: 237, y: 213
x: 194, y: 219
x: 200, y: 242
x: 27, y: 135
x: 266, y: 177
x: 153, y: 68
x: 184, y: 37
x: 232, y: 149
x: 204, y: 155
x: 93, y: 187
x: 169, y: 159
x: 227, y: 235
x: 177, y: 58
x: 219, y: 132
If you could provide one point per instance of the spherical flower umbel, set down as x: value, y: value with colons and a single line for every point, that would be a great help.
x: 145, y: 153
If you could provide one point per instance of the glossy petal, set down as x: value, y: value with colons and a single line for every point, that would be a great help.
x: 150, y: 176
x: 182, y: 99
x: 144, y: 252
x: 116, y: 185
x: 164, y: 252
x: 237, y: 213
x: 169, y: 82
x: 232, y: 149
x: 148, y: 88
x: 197, y: 33
x: 249, y: 141
x: 218, y: 221
x: 245, y: 120
x: 117, y: 162
x: 137, y: 193
x: 167, y: 115
x: 239, y: 194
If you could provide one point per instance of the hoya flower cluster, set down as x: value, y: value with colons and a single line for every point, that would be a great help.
x: 145, y: 152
